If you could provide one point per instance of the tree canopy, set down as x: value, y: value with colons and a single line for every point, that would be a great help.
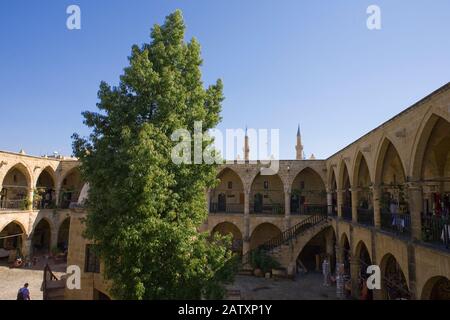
x: 144, y: 210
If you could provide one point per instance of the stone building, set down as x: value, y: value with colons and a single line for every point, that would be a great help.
x: 382, y: 200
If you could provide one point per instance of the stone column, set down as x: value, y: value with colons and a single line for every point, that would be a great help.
x: 53, y: 238
x: 340, y: 201
x: 339, y: 255
x: 26, y: 247
x: 58, y: 196
x: 355, y: 196
x: 329, y: 202
x: 415, y: 208
x: 246, y: 235
x: 376, y: 191
x: 287, y: 209
x: 30, y: 193
x: 246, y: 203
x: 355, y: 270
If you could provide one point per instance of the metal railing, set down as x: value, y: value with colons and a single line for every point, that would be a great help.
x: 346, y: 213
x: 287, y: 235
x: 227, y: 208
x: 398, y: 223
x: 365, y: 216
x: 436, y: 230
x: 20, y: 204
x: 276, y: 209
x: 309, y: 209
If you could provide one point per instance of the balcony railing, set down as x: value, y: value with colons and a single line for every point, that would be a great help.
x: 365, y: 216
x: 226, y: 208
x: 310, y: 209
x: 398, y: 223
x: 346, y: 213
x: 44, y: 204
x: 436, y: 230
x: 20, y: 204
x: 275, y: 209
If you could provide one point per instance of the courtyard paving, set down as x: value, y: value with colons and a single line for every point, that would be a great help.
x: 12, y: 279
x: 304, y: 287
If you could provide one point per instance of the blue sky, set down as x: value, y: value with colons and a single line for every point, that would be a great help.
x: 282, y: 63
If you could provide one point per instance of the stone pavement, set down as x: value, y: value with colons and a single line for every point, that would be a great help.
x: 11, y: 280
x: 304, y: 287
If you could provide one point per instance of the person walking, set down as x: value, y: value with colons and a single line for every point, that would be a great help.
x: 326, y: 272
x: 24, y: 293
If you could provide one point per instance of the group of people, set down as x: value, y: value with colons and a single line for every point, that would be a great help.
x: 342, y: 281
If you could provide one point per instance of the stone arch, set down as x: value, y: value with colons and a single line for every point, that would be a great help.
x: 267, y: 194
x: 390, y: 175
x: 315, y: 246
x: 13, y: 236
x: 262, y: 233
x: 226, y: 228
x: 41, y: 236
x: 345, y: 252
x: 386, y: 150
x: 70, y: 186
x: 421, y: 140
x: 228, y: 195
x: 362, y: 175
x: 62, y: 240
x: 45, y: 186
x: 308, y: 188
x: 344, y: 176
x: 344, y: 185
x: 363, y: 253
x: 436, y: 288
x: 432, y: 164
x: 16, y: 186
x: 394, y: 285
x: 24, y: 170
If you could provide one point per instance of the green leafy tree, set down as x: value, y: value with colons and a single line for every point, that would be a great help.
x: 143, y: 210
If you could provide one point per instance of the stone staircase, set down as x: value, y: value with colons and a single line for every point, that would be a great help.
x: 283, y: 246
x: 52, y: 287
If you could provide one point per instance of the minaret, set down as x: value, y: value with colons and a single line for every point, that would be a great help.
x: 299, y: 146
x: 246, y: 146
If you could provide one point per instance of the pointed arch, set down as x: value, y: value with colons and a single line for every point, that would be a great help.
x: 388, y: 152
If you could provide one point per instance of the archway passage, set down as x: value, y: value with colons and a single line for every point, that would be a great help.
x: 345, y: 253
x: 41, y: 238
x: 363, y: 256
x: 11, y: 241
x: 263, y: 233
x: 228, y: 228
x: 363, y: 184
x: 267, y: 195
x: 71, y: 188
x: 319, y: 248
x: 308, y: 193
x: 333, y: 209
x: 394, y: 193
x: 228, y: 196
x: 44, y: 197
x: 393, y: 282
x: 63, y: 235
x: 15, y: 188
x: 435, y: 178
x: 437, y: 288
x: 347, y: 194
